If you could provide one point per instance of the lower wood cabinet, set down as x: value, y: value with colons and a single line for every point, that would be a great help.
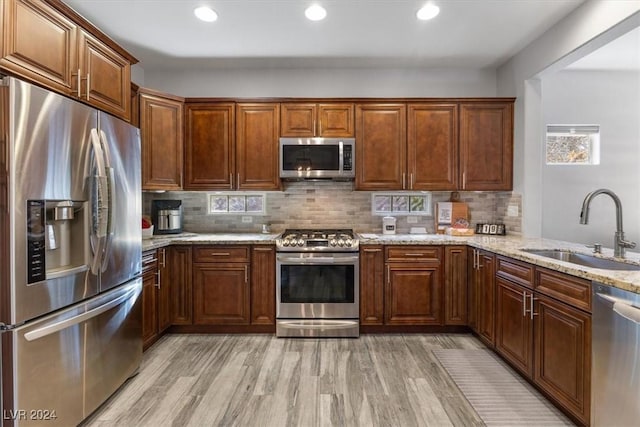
x: 263, y: 285
x: 371, y: 285
x: 221, y: 294
x: 149, y: 304
x: 413, y: 286
x: 181, y: 300
x: 455, y: 285
x: 482, y: 292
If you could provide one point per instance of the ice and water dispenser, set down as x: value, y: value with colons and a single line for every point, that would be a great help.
x: 56, y: 234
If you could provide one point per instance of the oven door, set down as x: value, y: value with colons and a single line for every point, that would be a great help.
x: 317, y: 285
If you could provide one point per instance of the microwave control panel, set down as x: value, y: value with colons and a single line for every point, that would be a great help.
x: 347, y: 158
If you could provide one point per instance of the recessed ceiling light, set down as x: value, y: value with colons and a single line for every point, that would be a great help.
x: 315, y: 12
x: 428, y: 11
x: 205, y: 13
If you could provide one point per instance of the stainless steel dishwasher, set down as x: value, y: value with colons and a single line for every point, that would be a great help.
x: 615, y: 391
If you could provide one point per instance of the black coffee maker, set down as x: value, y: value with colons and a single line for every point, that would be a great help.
x: 167, y: 216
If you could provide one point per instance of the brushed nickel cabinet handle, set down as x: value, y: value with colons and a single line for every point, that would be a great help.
x: 263, y: 249
x: 388, y: 274
x: 532, y: 313
x: 404, y: 176
x: 79, y: 83
x: 372, y: 250
x: 158, y: 277
x: 238, y: 181
x: 220, y: 254
x: 524, y: 303
x: 411, y: 181
x: 231, y: 181
x: 464, y: 180
x: 246, y: 274
x: 413, y: 254
x: 88, y: 84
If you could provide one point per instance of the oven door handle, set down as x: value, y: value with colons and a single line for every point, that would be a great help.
x: 318, y: 260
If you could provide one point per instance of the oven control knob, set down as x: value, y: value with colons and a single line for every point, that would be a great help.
x: 285, y: 242
x: 349, y: 242
x: 333, y: 242
x: 340, y: 242
x: 300, y: 242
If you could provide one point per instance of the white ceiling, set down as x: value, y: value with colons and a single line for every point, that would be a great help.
x: 385, y: 33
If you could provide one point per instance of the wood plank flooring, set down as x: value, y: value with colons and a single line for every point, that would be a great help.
x: 260, y: 380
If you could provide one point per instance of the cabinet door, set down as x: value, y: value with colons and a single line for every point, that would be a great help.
x: 149, y: 309
x: 455, y: 285
x: 179, y: 261
x: 108, y: 76
x: 335, y: 120
x: 165, y: 291
x: 486, y: 146
x: 371, y: 285
x: 381, y: 146
x: 563, y: 355
x: 257, y: 130
x: 432, y: 147
x: 486, y: 298
x: 161, y: 136
x: 210, y: 140
x: 413, y: 295
x: 298, y: 119
x: 514, y: 327
x: 221, y: 294
x: 39, y: 43
x: 263, y: 285
x: 472, y: 290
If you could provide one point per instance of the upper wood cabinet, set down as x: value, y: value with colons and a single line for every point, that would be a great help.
x: 432, y: 147
x: 316, y: 120
x: 39, y: 43
x: 47, y: 45
x: 210, y: 140
x: 161, y: 133
x: 257, y: 135
x: 486, y: 146
x: 381, y: 146
x: 105, y: 75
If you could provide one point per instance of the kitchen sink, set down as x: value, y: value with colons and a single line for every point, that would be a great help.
x: 583, y: 259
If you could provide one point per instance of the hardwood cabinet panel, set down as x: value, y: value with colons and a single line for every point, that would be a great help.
x: 472, y: 290
x: 209, y: 146
x: 563, y: 355
x: 455, y: 285
x: 413, y: 253
x: 485, y: 288
x: 107, y: 74
x: 263, y: 285
x: 161, y: 136
x: 569, y: 289
x: 179, y: 261
x: 413, y: 294
x: 335, y: 120
x: 39, y: 43
x: 165, y: 291
x: 381, y: 146
x: 221, y: 294
x: 257, y: 139
x: 149, y: 309
x: 298, y: 119
x: 486, y: 146
x: 432, y: 147
x: 516, y: 271
x: 514, y: 327
x: 371, y: 285
x: 221, y: 253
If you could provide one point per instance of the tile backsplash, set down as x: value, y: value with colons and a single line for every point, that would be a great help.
x: 310, y: 204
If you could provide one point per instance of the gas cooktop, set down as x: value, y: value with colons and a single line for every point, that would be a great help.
x: 329, y: 240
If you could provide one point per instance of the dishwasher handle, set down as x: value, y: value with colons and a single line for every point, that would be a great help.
x: 622, y: 308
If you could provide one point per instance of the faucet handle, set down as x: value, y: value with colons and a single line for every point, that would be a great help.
x: 597, y: 248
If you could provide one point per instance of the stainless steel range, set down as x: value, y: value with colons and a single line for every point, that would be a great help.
x: 317, y: 284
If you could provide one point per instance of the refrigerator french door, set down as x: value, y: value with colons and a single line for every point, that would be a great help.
x: 70, y: 213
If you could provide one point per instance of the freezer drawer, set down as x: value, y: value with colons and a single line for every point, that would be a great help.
x: 59, y: 369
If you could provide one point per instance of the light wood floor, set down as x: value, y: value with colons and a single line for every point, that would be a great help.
x: 260, y: 380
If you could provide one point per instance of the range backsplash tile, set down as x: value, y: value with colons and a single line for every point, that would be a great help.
x: 331, y: 205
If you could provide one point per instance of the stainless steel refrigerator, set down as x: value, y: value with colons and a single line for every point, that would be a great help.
x: 70, y: 256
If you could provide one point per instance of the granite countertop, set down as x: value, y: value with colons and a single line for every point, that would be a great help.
x: 512, y: 246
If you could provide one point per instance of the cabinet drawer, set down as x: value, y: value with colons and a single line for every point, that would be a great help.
x: 149, y: 261
x: 221, y: 254
x: 516, y: 271
x: 568, y: 289
x: 413, y: 253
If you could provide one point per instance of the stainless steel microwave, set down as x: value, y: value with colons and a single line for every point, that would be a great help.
x: 317, y: 158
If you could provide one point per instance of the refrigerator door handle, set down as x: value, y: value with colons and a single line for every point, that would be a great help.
x: 67, y: 323
x: 110, y: 205
x: 99, y: 207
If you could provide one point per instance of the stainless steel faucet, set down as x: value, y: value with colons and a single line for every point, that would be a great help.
x: 619, y: 243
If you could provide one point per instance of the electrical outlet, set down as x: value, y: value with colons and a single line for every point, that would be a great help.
x: 512, y: 210
x: 247, y: 220
x: 412, y: 220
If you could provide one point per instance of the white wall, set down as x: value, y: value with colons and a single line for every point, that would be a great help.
x: 587, y: 28
x: 327, y: 82
x: 612, y: 100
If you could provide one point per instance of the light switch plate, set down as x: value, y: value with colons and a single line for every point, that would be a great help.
x: 247, y: 220
x: 512, y: 210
